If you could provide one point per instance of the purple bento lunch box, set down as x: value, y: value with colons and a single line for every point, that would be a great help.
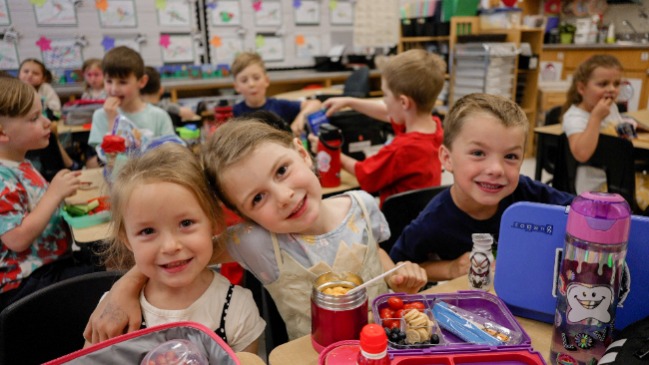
x: 483, y: 304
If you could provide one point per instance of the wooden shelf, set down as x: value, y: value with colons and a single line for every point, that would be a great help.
x: 424, y: 39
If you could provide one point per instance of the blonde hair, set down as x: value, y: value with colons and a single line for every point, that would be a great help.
x: 233, y: 142
x: 16, y: 98
x: 505, y: 110
x: 245, y: 59
x: 170, y: 163
x: 584, y: 72
x: 416, y: 74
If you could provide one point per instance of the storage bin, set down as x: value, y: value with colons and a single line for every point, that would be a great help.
x: 407, y: 28
x: 508, y: 18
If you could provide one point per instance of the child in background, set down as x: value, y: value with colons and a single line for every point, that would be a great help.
x: 36, y: 244
x: 292, y: 234
x: 171, y: 242
x: 152, y: 93
x: 123, y: 78
x: 251, y: 81
x: 410, y: 82
x: 93, y: 77
x: 590, y: 108
x: 33, y: 72
x: 484, y: 144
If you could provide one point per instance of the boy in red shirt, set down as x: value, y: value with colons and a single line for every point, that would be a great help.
x: 411, y: 82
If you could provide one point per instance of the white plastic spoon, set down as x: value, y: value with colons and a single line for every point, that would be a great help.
x: 375, y: 279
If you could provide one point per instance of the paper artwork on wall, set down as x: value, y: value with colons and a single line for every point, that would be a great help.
x: 55, y: 12
x: 62, y: 54
x: 223, y: 13
x: 118, y: 14
x: 307, y: 12
x: 376, y: 23
x: 269, y: 13
x: 550, y: 70
x: 270, y: 47
x: 109, y: 42
x: 224, y: 49
x: 5, y: 18
x: 175, y: 14
x: 341, y: 13
x: 307, y: 46
x: 8, y: 56
x: 177, y: 48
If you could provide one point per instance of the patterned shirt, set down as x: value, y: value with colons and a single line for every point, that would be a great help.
x: 21, y: 188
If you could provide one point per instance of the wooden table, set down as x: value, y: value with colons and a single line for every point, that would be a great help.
x: 98, y: 188
x: 300, y: 351
x: 248, y: 358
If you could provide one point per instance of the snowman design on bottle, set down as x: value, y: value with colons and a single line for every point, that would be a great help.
x: 480, y: 270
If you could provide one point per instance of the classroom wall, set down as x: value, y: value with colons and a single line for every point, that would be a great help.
x: 300, y: 42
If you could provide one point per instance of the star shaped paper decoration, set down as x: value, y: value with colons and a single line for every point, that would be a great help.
x: 299, y: 40
x: 38, y: 3
x: 165, y: 41
x: 256, y: 5
x: 44, y: 43
x: 108, y: 43
x: 213, y: 5
x: 216, y: 41
x: 333, y: 4
x: 297, y: 4
x: 161, y: 4
x: 260, y: 41
x: 101, y: 5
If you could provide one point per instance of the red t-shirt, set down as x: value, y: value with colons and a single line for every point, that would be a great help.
x: 410, y: 161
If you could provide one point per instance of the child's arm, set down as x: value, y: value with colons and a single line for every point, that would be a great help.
x: 64, y: 184
x: 307, y: 107
x: 369, y: 107
x: 252, y: 347
x: 438, y: 270
x: 408, y: 279
x: 348, y: 163
x: 582, y: 145
x: 119, y: 310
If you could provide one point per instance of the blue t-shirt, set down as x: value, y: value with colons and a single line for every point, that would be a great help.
x: 445, y: 230
x: 286, y: 109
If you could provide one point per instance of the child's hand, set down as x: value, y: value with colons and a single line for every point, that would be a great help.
x: 65, y: 183
x: 408, y: 279
x: 313, y: 142
x: 460, y: 266
x: 602, y: 108
x: 110, y: 107
x: 333, y: 105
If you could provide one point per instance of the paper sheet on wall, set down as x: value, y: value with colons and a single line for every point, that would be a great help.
x: 8, y: 56
x: 63, y: 53
x: 376, y: 23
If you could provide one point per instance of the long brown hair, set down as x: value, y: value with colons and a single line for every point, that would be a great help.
x: 582, y: 75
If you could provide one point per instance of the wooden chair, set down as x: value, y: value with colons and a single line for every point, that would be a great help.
x: 400, y: 209
x: 613, y: 154
x: 49, y: 323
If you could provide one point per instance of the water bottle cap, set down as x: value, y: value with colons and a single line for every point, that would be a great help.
x: 373, y: 339
x: 599, y: 217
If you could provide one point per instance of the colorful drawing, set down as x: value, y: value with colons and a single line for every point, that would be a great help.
x: 228, y: 49
x: 8, y: 56
x: 307, y: 13
x: 56, y: 12
x: 178, y: 48
x: 342, y: 13
x: 63, y: 53
x: 175, y: 14
x: 225, y: 13
x: 5, y: 19
x: 270, y: 13
x: 308, y: 46
x: 118, y: 14
x: 271, y: 49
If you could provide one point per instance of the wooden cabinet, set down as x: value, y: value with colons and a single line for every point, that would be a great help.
x: 635, y: 62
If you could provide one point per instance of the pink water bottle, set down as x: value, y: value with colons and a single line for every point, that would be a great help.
x: 589, y: 278
x: 328, y: 157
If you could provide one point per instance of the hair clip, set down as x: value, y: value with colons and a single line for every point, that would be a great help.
x: 140, y: 38
x: 81, y: 41
x: 10, y: 35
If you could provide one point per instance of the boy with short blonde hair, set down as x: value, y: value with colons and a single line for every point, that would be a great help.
x: 484, y: 145
x: 123, y: 78
x: 252, y: 81
x: 411, y: 82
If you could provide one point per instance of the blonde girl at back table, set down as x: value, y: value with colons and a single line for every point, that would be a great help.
x: 291, y: 235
